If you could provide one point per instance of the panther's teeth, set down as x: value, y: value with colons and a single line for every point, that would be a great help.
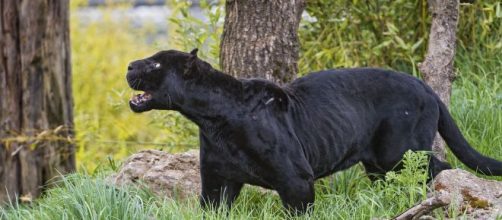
x: 140, y: 98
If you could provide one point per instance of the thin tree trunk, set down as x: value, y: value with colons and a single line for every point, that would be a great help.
x: 437, y: 68
x: 260, y: 39
x: 36, y: 118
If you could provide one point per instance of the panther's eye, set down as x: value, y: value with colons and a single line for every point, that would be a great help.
x: 157, y: 65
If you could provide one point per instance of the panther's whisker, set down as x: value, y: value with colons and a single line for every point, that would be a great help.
x: 134, y: 83
x: 169, y: 101
x: 139, y: 83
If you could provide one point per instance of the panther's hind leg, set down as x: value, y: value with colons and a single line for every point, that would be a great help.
x: 424, y: 133
x: 413, y: 128
x: 393, y: 138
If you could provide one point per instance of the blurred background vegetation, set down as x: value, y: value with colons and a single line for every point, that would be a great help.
x: 333, y: 33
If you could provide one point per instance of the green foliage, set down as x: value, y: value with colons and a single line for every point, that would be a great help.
x: 480, y: 26
x: 83, y: 197
x: 364, y: 33
x: 390, y: 33
x: 477, y: 100
x: 350, y: 195
x: 101, y: 52
x: 415, y: 168
x: 189, y: 32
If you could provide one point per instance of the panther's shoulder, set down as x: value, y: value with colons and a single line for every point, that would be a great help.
x: 265, y: 92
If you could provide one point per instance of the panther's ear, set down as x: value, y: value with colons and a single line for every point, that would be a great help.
x: 193, y: 57
x: 190, y: 65
x: 194, y: 52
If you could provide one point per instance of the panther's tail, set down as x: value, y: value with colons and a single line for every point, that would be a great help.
x: 459, y: 146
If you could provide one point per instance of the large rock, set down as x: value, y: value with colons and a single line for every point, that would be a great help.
x: 480, y: 198
x: 171, y: 175
x: 476, y: 197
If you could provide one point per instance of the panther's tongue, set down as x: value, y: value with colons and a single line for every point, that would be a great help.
x: 141, y: 98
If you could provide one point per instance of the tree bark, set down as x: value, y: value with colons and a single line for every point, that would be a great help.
x: 437, y: 68
x: 36, y: 118
x: 260, y: 39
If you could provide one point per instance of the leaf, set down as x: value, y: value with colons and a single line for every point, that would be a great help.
x: 382, y: 45
x: 417, y: 44
x: 392, y: 29
x: 184, y: 12
x: 498, y: 10
x: 401, y: 42
x: 58, y: 129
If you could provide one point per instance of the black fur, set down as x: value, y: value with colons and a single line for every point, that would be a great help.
x: 283, y: 138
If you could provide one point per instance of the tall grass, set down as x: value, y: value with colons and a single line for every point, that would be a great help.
x: 477, y: 100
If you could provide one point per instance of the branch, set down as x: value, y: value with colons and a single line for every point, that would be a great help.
x: 439, y: 200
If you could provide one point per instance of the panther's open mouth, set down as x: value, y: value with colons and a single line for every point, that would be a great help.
x: 140, y: 102
x: 140, y: 99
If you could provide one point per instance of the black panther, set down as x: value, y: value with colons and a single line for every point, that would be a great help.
x: 284, y: 137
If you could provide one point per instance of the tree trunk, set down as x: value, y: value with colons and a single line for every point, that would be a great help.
x: 260, y: 39
x: 36, y: 119
x: 437, y: 68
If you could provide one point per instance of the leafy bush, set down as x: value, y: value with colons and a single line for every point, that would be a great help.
x: 347, y: 33
x: 390, y: 33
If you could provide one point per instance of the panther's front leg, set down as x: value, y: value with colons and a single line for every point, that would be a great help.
x: 216, y: 190
x: 215, y: 187
x: 297, y: 195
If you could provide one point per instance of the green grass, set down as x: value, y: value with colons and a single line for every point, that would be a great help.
x: 477, y: 101
x: 346, y: 195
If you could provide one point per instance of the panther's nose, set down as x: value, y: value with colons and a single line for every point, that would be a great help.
x: 129, y: 68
